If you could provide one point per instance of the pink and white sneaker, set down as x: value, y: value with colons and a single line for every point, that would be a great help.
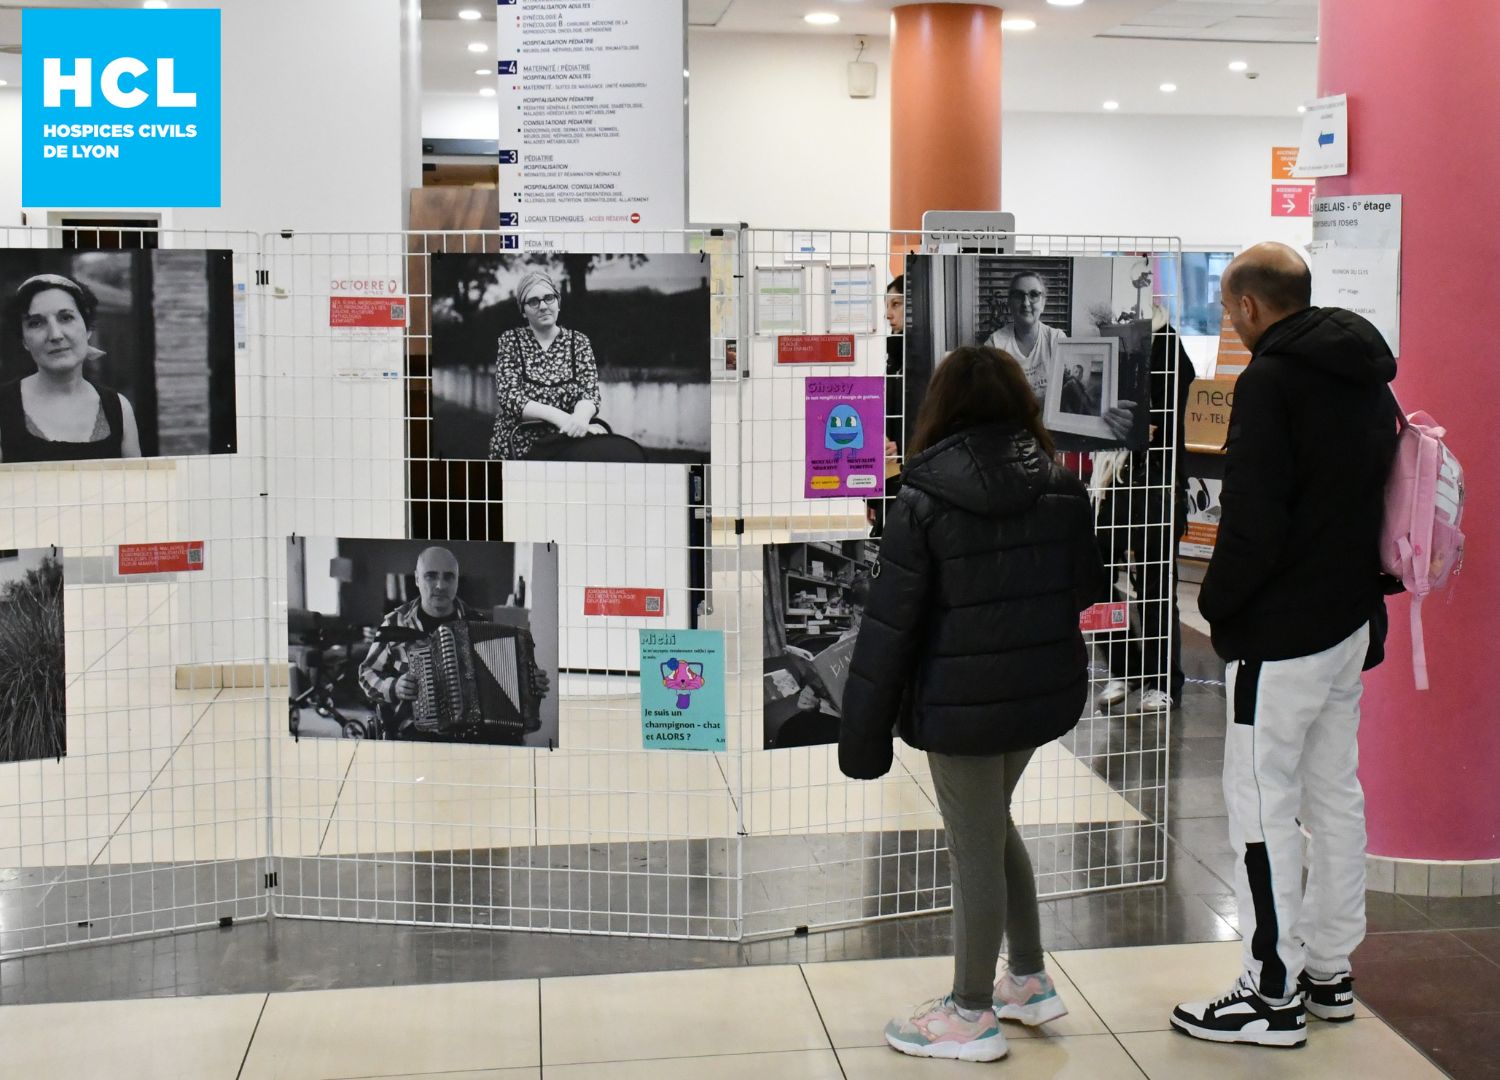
x: 938, y: 1030
x: 1031, y: 999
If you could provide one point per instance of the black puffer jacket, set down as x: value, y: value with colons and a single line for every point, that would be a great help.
x: 970, y: 637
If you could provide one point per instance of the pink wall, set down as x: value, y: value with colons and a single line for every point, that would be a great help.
x: 1424, y: 111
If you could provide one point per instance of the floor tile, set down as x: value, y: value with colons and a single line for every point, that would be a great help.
x: 1136, y: 989
x: 1411, y: 946
x: 467, y: 1074
x: 794, y: 1065
x: 1459, y: 984
x: 394, y: 1030
x: 1366, y: 1049
x: 1484, y: 942
x: 1074, y: 1057
x: 695, y: 1013
x: 1387, y: 912
x: 856, y: 999
x: 1468, y: 1046
x: 1459, y: 913
x: 190, y: 1039
x: 1145, y: 916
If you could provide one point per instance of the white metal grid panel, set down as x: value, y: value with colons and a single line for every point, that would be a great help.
x: 156, y: 818
x: 595, y: 836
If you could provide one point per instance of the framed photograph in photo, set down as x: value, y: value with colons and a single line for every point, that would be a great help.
x: 1083, y: 386
x: 568, y: 356
x: 33, y: 706
x: 854, y: 299
x: 411, y: 641
x: 780, y: 300
x: 116, y: 354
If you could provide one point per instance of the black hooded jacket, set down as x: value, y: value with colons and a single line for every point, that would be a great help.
x: 1296, y: 566
x: 970, y: 636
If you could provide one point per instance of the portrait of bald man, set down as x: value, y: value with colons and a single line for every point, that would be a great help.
x: 386, y: 675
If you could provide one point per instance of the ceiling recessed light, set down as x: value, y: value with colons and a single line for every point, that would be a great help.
x: 484, y: 71
x: 1018, y: 24
x: 1064, y: 3
x: 155, y: 4
x: 1111, y: 106
x: 1238, y: 65
x: 820, y: 18
x: 478, y: 46
x: 486, y: 91
x: 1169, y: 88
x: 4, y: 83
x: 1301, y: 108
x: 468, y: 15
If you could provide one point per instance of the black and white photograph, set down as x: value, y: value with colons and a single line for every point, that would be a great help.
x: 409, y: 640
x: 814, y: 599
x: 1081, y: 387
x: 116, y: 354
x: 1029, y: 306
x: 33, y: 675
x: 567, y: 357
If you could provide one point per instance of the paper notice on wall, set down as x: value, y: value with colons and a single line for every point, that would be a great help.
x: 682, y: 689
x: 1365, y: 281
x: 1358, y: 221
x: 780, y: 299
x: 1324, y: 150
x: 592, y: 116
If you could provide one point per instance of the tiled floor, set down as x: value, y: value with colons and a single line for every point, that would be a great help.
x: 777, y: 1021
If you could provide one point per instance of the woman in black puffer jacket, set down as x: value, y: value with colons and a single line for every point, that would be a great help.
x: 970, y: 648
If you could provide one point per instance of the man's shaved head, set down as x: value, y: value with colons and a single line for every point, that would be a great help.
x: 1263, y: 285
x: 437, y: 581
x: 1272, y: 273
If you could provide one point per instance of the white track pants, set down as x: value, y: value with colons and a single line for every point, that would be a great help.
x: 1290, y: 751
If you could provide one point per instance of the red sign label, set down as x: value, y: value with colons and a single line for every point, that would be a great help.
x: 1291, y: 200
x: 815, y: 349
x: 1102, y: 617
x: 380, y: 312
x: 635, y: 219
x: 160, y: 558
x: 650, y: 603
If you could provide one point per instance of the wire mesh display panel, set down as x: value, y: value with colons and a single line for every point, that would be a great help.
x: 154, y: 817
x: 237, y: 739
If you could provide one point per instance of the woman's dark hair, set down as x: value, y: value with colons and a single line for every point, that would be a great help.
x: 19, y: 304
x: 897, y: 285
x: 976, y: 385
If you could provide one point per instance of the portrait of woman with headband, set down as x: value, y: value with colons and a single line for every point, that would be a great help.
x: 57, y: 412
x: 543, y: 372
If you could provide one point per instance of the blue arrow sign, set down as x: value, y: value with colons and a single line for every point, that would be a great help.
x: 1325, y: 138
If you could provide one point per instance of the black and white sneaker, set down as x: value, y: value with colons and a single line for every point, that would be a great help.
x: 1243, y: 1016
x: 1328, y: 999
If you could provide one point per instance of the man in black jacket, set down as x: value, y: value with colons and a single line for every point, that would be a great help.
x: 1294, y: 596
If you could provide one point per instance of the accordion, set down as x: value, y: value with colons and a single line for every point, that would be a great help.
x: 475, y: 679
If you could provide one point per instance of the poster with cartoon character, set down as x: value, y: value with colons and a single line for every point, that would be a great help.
x: 845, y: 437
x: 682, y: 689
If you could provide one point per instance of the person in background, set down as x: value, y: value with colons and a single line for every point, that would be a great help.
x: 1295, y: 598
x: 897, y: 399
x: 1132, y: 515
x: 57, y: 413
x: 970, y: 644
x: 542, y: 372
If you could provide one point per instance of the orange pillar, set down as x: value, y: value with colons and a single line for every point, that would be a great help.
x: 945, y: 110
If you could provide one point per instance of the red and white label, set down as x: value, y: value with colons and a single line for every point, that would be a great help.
x: 815, y: 349
x: 1103, y: 617
x: 647, y: 603
x: 160, y: 558
x: 367, y: 312
x: 1291, y: 200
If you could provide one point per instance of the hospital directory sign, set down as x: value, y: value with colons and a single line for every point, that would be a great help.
x: 120, y: 108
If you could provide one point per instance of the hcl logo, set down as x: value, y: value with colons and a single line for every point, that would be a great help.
x: 80, y: 83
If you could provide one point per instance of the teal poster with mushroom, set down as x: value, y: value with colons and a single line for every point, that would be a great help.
x: 845, y: 419
x: 682, y: 689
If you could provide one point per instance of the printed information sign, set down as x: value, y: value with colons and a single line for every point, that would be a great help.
x: 160, y: 558
x: 845, y: 421
x: 682, y: 689
x: 635, y: 603
x: 815, y: 349
x: 367, y: 312
x: 591, y: 99
x: 1104, y: 617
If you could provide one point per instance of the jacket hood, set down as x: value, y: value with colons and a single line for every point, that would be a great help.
x: 996, y: 471
x: 1332, y: 340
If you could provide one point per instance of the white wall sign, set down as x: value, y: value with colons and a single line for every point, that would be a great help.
x: 1366, y: 281
x: 1358, y: 221
x: 1325, y: 138
x: 592, y: 114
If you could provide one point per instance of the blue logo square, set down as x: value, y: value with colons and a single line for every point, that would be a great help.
x: 120, y: 108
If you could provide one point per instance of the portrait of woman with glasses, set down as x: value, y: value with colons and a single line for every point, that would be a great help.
x: 543, y: 372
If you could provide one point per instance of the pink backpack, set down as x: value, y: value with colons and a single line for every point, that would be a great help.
x: 1421, y: 542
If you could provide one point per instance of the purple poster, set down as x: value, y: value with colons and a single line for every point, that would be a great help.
x: 845, y: 437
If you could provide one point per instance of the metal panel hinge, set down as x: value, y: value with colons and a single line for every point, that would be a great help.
x: 739, y: 526
x: 262, y: 277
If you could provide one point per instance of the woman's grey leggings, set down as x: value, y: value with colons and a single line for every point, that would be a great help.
x: 994, y: 891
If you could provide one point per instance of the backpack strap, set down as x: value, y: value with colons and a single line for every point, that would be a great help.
x: 1418, y: 645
